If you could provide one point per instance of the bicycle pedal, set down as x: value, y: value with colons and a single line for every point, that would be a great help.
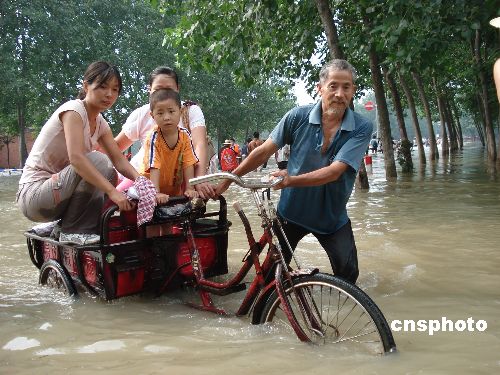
x: 212, y: 309
x: 225, y: 291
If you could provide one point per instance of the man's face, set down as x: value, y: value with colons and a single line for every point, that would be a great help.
x: 336, y: 91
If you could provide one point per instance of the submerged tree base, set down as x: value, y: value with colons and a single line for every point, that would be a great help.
x: 404, y: 156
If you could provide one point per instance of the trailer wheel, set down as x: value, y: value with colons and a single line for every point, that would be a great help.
x: 53, y: 274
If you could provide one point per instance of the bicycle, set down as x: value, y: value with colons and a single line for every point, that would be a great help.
x: 319, y: 307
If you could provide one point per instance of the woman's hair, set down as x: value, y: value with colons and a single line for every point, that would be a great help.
x: 100, y: 72
x: 163, y: 70
x: 162, y: 95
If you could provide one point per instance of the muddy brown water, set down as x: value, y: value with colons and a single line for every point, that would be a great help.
x: 428, y: 248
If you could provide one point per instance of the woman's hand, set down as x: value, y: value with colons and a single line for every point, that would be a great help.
x: 121, y: 201
x: 161, y: 198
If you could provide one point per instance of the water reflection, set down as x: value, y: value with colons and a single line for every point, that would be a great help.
x: 428, y: 247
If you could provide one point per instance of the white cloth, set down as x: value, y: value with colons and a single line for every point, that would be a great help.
x: 140, y: 123
x: 283, y: 153
x: 146, y: 194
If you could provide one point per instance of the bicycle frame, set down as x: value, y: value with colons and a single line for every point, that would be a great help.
x: 264, y: 281
x: 263, y: 270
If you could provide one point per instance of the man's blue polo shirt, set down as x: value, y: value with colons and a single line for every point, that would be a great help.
x: 320, y: 209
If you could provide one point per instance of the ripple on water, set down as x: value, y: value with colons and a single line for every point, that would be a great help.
x: 160, y: 349
x: 408, y: 272
x: 102, y: 346
x: 49, y: 352
x: 45, y: 326
x: 21, y: 343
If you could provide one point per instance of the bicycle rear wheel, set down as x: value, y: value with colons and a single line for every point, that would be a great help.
x: 54, y: 275
x: 334, y: 311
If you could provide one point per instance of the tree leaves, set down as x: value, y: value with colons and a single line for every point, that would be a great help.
x: 62, y: 40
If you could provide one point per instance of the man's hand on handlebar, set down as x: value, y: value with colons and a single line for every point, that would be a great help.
x: 284, y: 183
x: 222, y: 187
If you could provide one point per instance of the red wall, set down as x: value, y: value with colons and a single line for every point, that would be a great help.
x: 14, y: 152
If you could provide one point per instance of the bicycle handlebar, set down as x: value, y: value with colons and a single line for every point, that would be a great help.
x: 236, y: 179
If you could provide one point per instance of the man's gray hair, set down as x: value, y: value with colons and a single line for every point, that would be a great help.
x: 336, y: 64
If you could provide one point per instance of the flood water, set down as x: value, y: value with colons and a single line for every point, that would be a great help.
x: 428, y: 249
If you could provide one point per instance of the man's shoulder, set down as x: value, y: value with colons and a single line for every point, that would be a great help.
x: 362, y: 124
x: 361, y: 120
x: 299, y: 115
x: 302, y: 110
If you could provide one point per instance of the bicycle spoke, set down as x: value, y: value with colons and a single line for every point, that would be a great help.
x: 332, y: 314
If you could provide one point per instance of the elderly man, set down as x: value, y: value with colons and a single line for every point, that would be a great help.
x: 328, y: 141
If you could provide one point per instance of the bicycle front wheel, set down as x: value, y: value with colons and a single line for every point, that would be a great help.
x: 331, y: 310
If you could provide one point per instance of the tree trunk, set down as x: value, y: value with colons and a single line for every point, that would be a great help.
x: 481, y: 129
x: 442, y: 118
x: 404, y: 148
x: 433, y: 154
x: 336, y: 52
x: 383, y: 114
x: 332, y: 37
x: 362, y: 178
x: 453, y: 129
x: 23, y: 151
x: 445, y: 144
x: 454, y: 112
x: 483, y: 92
x: 20, y: 101
x: 396, y: 99
x: 414, y: 117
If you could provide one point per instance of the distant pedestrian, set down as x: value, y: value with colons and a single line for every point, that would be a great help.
x: 244, y: 149
x: 256, y: 142
x: 374, y: 144
x: 282, y: 156
x: 228, y: 157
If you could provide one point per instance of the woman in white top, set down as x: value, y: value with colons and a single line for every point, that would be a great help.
x: 64, y: 178
x: 140, y: 123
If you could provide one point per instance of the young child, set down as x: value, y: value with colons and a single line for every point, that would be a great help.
x: 169, y: 157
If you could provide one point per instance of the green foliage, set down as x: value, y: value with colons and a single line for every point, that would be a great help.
x: 279, y: 38
x: 257, y: 39
x: 46, y: 45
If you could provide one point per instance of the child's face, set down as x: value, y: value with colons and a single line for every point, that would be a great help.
x: 167, y: 114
